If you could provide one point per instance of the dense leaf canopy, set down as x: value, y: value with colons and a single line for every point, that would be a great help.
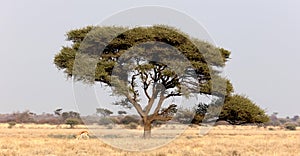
x: 240, y: 110
x: 110, y: 43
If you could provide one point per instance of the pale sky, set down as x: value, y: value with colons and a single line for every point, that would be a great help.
x: 263, y: 37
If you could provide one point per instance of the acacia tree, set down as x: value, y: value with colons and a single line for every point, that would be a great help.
x: 72, y: 122
x: 122, y: 112
x: 239, y: 109
x: 156, y: 63
x: 104, y: 112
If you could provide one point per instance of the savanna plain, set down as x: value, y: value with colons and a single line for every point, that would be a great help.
x: 222, y: 140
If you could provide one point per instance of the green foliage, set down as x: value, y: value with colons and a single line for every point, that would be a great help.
x: 77, y: 35
x: 240, y: 110
x: 201, y: 55
x: 65, y: 60
x: 225, y: 53
x: 72, y: 122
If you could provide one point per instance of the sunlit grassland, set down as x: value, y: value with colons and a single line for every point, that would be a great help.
x: 220, y: 140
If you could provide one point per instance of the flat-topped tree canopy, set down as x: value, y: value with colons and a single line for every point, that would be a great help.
x: 158, y: 62
x: 204, y: 57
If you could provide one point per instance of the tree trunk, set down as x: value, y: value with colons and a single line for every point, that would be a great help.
x: 147, y: 130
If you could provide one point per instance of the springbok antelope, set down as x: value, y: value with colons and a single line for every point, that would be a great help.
x: 83, y: 135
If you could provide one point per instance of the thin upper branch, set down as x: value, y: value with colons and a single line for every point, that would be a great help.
x: 173, y: 94
x: 162, y: 118
x: 152, y: 99
x: 135, y: 94
x: 160, y: 102
x: 136, y: 105
x: 146, y: 84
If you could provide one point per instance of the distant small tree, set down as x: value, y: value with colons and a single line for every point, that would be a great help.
x: 295, y: 118
x: 240, y: 110
x: 122, y: 112
x: 58, y: 112
x: 290, y: 126
x: 72, y: 122
x: 273, y: 117
x: 283, y: 120
x: 104, y: 112
x: 274, y: 120
x: 70, y: 114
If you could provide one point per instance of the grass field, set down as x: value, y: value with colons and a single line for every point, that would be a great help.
x: 219, y: 141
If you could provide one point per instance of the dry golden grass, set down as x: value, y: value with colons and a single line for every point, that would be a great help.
x: 221, y: 140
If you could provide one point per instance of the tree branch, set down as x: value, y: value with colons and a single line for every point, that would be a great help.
x: 136, y: 105
x: 173, y: 94
x: 172, y: 82
x: 146, y: 85
x: 166, y: 114
x: 151, y: 100
x: 169, y: 111
x: 135, y: 94
x: 162, y: 118
x: 160, y: 102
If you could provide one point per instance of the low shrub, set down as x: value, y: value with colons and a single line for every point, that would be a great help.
x: 115, y: 120
x: 132, y: 125
x: 128, y: 119
x: 290, y: 126
x: 271, y: 129
x: 72, y: 122
x: 105, y: 121
x: 11, y: 124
